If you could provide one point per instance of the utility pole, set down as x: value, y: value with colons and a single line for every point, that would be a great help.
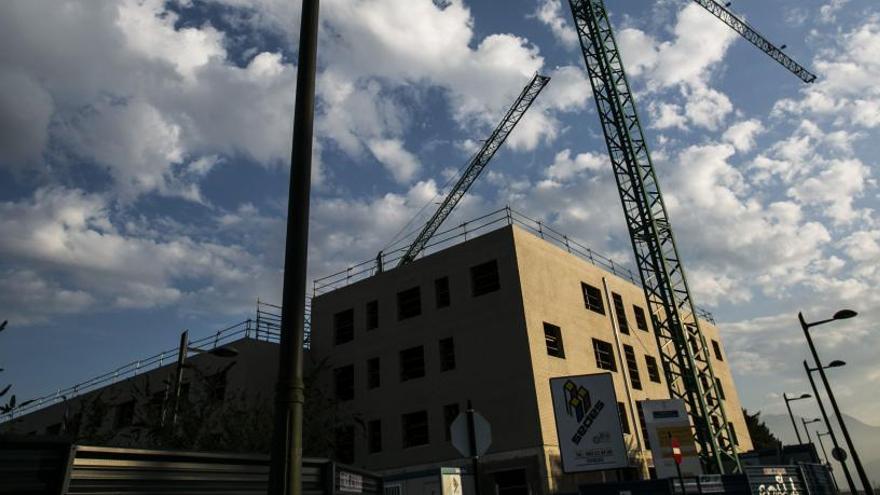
x: 285, y: 471
x: 472, y: 443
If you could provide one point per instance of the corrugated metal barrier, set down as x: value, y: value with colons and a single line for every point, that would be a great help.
x: 56, y: 467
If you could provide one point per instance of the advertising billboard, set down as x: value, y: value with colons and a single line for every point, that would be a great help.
x: 667, y: 422
x: 588, y: 423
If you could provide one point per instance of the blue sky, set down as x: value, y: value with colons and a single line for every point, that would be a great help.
x: 144, y: 154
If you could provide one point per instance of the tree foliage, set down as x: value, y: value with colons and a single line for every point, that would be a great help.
x: 762, y: 437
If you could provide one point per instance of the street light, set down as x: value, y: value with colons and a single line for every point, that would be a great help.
x: 790, y: 415
x: 837, y: 452
x: 182, y: 353
x: 840, y: 315
x: 805, y: 422
x: 819, y: 435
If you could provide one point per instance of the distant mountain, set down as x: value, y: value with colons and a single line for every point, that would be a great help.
x: 865, y: 437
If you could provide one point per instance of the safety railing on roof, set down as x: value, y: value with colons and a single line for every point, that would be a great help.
x: 478, y: 226
x: 265, y: 328
x: 455, y: 235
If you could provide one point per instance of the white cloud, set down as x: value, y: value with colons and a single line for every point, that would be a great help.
x: 78, y: 253
x: 550, y: 13
x: 707, y: 107
x: 742, y: 134
x: 827, y: 12
x: 565, y: 167
x: 834, y: 189
x: 402, y: 164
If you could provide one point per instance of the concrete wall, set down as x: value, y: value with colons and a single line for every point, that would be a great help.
x: 254, y: 373
x: 491, y: 352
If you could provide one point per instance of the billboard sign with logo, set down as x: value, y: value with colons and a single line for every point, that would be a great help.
x: 671, y: 437
x: 588, y: 423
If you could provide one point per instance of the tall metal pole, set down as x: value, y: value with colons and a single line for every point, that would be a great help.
x: 807, y: 430
x: 285, y: 472
x: 178, y: 375
x: 863, y: 476
x: 472, y: 443
x: 849, y: 478
x: 790, y: 415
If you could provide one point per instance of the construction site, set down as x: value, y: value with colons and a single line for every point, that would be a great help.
x: 496, y: 356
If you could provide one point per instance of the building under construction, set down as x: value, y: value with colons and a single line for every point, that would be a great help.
x: 490, y: 320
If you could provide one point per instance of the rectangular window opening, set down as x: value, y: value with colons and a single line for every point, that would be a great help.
x: 720, y: 389
x: 593, y: 298
x: 412, y: 363
x: 372, y: 315
x: 415, y: 429
x: 632, y: 367
x: 343, y: 382
x: 484, y: 278
x: 717, y: 348
x: 653, y: 371
x: 374, y: 377
x: 624, y: 422
x: 374, y: 436
x: 641, y: 320
x: 450, y: 412
x: 604, y: 355
x: 642, y: 424
x: 441, y: 292
x: 343, y: 326
x: 447, y: 354
x: 553, y: 339
x: 409, y: 303
x: 620, y: 312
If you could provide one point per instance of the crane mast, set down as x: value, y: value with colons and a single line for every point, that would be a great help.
x: 683, y: 350
x: 727, y: 17
x: 476, y: 165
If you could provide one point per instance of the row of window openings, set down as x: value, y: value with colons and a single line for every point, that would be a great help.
x: 411, y: 365
x: 594, y: 302
x: 484, y: 280
x: 414, y: 432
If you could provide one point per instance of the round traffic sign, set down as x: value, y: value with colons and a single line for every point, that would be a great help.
x: 839, y: 454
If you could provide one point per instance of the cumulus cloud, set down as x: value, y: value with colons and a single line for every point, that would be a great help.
x: 742, y: 134
x: 549, y: 12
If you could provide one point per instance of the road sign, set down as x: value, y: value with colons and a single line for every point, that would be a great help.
x: 676, y: 450
x: 482, y: 433
x: 839, y: 454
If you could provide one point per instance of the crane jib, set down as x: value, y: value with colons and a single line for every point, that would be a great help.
x: 476, y: 165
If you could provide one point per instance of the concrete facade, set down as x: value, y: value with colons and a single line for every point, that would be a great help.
x: 501, y: 359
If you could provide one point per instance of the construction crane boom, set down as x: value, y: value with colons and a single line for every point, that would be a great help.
x: 727, y: 17
x: 683, y: 351
x: 476, y: 165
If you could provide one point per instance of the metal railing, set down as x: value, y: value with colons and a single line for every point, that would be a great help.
x: 491, y: 221
x: 265, y: 328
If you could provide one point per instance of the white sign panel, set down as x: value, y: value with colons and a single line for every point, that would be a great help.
x: 459, y: 433
x: 588, y: 423
x: 350, y: 482
x: 665, y: 420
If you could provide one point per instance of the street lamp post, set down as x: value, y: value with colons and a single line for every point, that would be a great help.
x: 819, y: 435
x: 182, y: 353
x: 285, y: 467
x: 840, y: 315
x: 809, y: 437
x: 790, y: 415
x: 837, y: 452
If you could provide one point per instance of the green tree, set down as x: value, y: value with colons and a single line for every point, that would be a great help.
x: 762, y: 437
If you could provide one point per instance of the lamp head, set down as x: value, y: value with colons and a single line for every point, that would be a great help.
x: 805, y: 396
x: 843, y: 314
x: 836, y: 364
